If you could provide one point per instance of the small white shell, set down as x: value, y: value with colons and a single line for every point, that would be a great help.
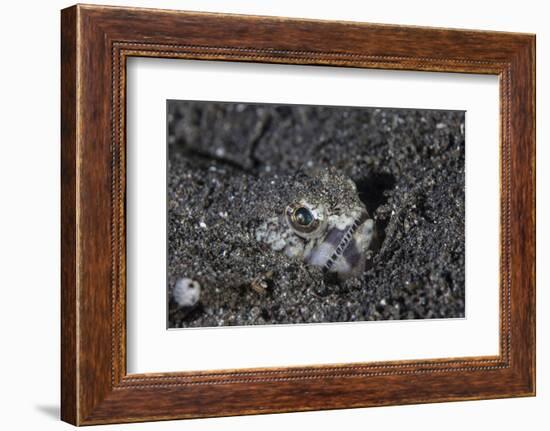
x: 186, y: 292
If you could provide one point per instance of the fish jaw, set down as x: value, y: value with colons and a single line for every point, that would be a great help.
x: 343, y: 250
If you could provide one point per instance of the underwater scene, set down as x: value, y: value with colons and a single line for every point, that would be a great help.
x: 286, y: 214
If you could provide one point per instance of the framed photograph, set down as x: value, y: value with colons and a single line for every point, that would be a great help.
x: 266, y: 215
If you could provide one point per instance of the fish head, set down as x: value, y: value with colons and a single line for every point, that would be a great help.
x: 324, y: 224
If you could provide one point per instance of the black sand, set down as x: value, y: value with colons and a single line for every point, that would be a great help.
x: 228, y: 166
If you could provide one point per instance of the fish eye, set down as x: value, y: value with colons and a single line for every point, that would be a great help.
x: 303, y: 216
x: 305, y: 220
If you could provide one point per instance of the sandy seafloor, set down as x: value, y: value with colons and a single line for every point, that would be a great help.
x: 229, y: 164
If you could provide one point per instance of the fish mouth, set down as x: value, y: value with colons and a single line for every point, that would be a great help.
x: 344, y: 242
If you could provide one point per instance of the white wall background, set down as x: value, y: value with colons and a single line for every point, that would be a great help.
x: 29, y: 214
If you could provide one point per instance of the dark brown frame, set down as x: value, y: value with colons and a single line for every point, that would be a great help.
x: 95, y: 43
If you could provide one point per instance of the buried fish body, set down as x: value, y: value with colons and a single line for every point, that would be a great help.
x: 326, y: 225
x: 258, y: 227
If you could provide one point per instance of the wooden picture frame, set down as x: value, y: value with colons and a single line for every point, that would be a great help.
x: 95, y: 43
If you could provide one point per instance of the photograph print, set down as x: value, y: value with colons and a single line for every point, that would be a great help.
x: 295, y: 214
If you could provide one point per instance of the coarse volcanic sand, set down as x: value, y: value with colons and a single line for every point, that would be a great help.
x: 230, y: 165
